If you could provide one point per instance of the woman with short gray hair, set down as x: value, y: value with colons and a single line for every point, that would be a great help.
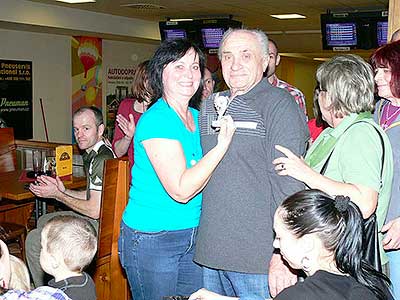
x: 347, y: 157
x: 350, y: 82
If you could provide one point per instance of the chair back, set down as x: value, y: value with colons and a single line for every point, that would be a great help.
x: 109, y: 277
x: 8, y: 152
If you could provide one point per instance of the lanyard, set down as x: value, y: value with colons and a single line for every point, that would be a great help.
x: 380, y: 112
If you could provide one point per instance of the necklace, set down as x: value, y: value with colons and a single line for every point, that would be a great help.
x: 388, y: 118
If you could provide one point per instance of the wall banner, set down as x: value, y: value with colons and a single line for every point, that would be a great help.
x: 16, y: 97
x: 86, y: 56
x: 118, y: 86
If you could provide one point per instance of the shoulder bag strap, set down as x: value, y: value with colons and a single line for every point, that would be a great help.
x: 322, y: 172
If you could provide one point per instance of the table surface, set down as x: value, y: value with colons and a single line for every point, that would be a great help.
x: 13, y: 189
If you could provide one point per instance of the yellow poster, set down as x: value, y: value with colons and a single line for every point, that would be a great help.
x: 64, y: 160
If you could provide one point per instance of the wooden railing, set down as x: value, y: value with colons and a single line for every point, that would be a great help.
x: 24, y: 154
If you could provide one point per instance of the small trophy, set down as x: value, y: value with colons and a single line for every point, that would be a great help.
x: 221, y: 104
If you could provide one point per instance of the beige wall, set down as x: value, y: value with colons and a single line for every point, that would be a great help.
x: 51, y: 63
x: 51, y: 59
x: 300, y: 73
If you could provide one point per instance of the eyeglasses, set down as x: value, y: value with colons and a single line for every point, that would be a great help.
x: 318, y: 89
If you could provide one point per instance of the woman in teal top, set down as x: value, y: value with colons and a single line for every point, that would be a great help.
x: 159, y: 224
x: 352, y: 145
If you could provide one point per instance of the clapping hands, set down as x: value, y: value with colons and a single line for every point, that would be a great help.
x: 128, y: 127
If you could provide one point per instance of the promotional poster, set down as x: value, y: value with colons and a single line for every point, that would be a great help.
x: 16, y: 97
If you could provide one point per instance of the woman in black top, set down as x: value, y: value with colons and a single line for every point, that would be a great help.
x: 322, y: 236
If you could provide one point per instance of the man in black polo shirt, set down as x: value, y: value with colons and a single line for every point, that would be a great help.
x: 88, y: 130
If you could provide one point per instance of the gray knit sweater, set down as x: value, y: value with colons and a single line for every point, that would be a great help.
x: 239, y: 202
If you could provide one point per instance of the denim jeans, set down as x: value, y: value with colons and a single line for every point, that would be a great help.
x: 394, y: 272
x: 235, y: 284
x: 159, y: 264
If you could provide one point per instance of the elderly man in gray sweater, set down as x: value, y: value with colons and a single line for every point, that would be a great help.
x: 235, y: 236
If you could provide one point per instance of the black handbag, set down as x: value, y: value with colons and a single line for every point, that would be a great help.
x: 371, y: 248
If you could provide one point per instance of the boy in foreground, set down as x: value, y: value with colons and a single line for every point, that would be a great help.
x: 69, y: 244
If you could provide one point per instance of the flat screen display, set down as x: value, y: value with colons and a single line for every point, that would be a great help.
x: 212, y: 37
x: 341, y: 34
x: 381, y: 32
x: 173, y: 34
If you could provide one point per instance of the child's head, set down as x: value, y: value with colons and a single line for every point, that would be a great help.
x: 67, y: 240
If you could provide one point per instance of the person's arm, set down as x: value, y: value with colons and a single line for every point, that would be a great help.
x: 124, y: 129
x: 302, y: 100
x: 127, y: 127
x: 48, y: 187
x: 360, y: 173
x: 169, y: 162
x: 76, y: 193
x: 391, y: 241
x: 90, y: 207
x: 288, y: 127
x: 280, y: 275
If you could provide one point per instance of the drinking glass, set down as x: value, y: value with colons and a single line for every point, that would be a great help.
x: 37, y: 162
x: 50, y: 163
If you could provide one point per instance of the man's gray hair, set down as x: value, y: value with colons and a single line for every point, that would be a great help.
x: 349, y: 82
x: 259, y: 34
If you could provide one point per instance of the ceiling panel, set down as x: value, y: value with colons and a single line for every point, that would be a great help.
x: 253, y: 14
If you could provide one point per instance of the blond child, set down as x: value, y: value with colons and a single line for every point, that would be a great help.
x: 69, y: 244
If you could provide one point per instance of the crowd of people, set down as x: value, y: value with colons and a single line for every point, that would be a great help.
x: 248, y: 207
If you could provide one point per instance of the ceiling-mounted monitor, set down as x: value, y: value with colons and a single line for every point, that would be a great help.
x: 211, y: 37
x: 355, y: 30
x: 341, y: 34
x: 206, y: 33
x: 173, y: 34
x: 382, y: 32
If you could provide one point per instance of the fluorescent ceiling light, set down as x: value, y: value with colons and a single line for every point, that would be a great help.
x: 288, y: 16
x: 321, y: 58
x: 178, y: 20
x: 76, y: 1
